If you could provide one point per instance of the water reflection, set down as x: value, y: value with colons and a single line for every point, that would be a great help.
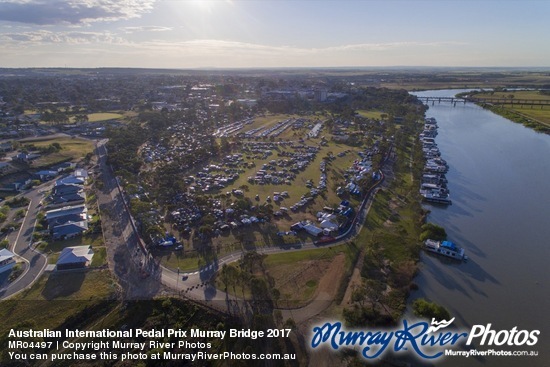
x: 498, y: 180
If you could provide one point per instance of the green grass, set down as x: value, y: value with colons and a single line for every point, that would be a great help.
x: 92, y: 239
x: 299, y: 256
x: 283, y: 265
x: 73, y: 149
x: 182, y: 260
x: 518, y: 95
x: 78, y: 285
x: 52, y: 259
x: 104, y: 116
x: 56, y: 297
x: 100, y: 257
x: 530, y: 116
x: 376, y: 115
x: 264, y: 235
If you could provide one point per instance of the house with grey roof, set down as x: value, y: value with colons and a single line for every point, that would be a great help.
x: 7, y: 260
x: 77, y: 257
x: 69, y: 230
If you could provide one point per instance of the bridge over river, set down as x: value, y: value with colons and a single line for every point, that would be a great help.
x: 494, y: 101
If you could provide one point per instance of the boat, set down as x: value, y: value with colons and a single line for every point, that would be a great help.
x: 434, y: 183
x: 434, y: 178
x: 434, y: 187
x: 435, y: 197
x: 445, y: 248
x: 433, y: 168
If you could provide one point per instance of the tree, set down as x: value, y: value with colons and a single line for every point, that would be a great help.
x: 433, y: 231
x: 430, y: 310
x: 225, y: 146
x: 206, y: 230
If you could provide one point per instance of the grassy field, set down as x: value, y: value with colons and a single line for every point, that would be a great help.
x: 297, y: 275
x: 93, y: 240
x: 54, y: 298
x: 377, y: 115
x: 103, y: 116
x: 517, y: 95
x: 464, y: 79
x: 72, y: 149
x: 518, y: 112
x: 265, y: 235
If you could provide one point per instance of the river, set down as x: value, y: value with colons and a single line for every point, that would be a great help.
x: 499, y: 182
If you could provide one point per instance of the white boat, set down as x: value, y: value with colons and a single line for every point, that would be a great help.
x: 434, y: 196
x: 445, y: 248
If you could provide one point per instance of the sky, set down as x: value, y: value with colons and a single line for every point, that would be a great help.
x: 273, y: 33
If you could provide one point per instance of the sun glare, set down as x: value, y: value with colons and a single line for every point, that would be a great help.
x: 204, y: 5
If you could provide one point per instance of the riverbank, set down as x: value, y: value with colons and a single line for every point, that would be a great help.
x: 526, y: 107
x: 518, y: 117
x: 498, y: 182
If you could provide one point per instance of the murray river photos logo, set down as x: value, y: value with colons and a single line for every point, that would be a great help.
x: 428, y: 341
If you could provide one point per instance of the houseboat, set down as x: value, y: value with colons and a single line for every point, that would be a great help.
x: 445, y: 248
x: 434, y: 196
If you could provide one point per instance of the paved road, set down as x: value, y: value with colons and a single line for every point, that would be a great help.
x: 34, y: 261
x: 137, y: 272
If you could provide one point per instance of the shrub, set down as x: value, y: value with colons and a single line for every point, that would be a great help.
x: 429, y: 310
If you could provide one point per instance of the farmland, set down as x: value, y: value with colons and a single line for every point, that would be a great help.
x: 531, y: 115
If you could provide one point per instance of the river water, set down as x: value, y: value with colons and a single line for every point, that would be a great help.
x: 499, y: 180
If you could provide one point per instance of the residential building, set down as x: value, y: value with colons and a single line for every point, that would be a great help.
x: 77, y: 257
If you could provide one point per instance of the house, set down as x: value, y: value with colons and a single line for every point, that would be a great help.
x: 65, y: 166
x: 75, y: 198
x: 65, y: 219
x: 67, y: 210
x: 6, y: 146
x: 77, y: 257
x: 26, y: 157
x: 17, y: 185
x: 70, y: 180
x: 69, y: 230
x: 4, y: 166
x: 81, y: 173
x: 7, y: 260
x: 66, y: 189
x: 45, y: 175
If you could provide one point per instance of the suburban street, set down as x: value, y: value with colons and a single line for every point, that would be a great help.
x: 21, y: 240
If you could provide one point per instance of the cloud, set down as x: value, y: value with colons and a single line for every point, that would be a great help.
x: 44, y: 12
x: 46, y: 48
x: 146, y: 29
x: 222, y: 47
x: 71, y: 38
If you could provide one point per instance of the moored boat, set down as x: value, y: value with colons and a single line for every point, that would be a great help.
x: 445, y: 248
x: 435, y: 197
